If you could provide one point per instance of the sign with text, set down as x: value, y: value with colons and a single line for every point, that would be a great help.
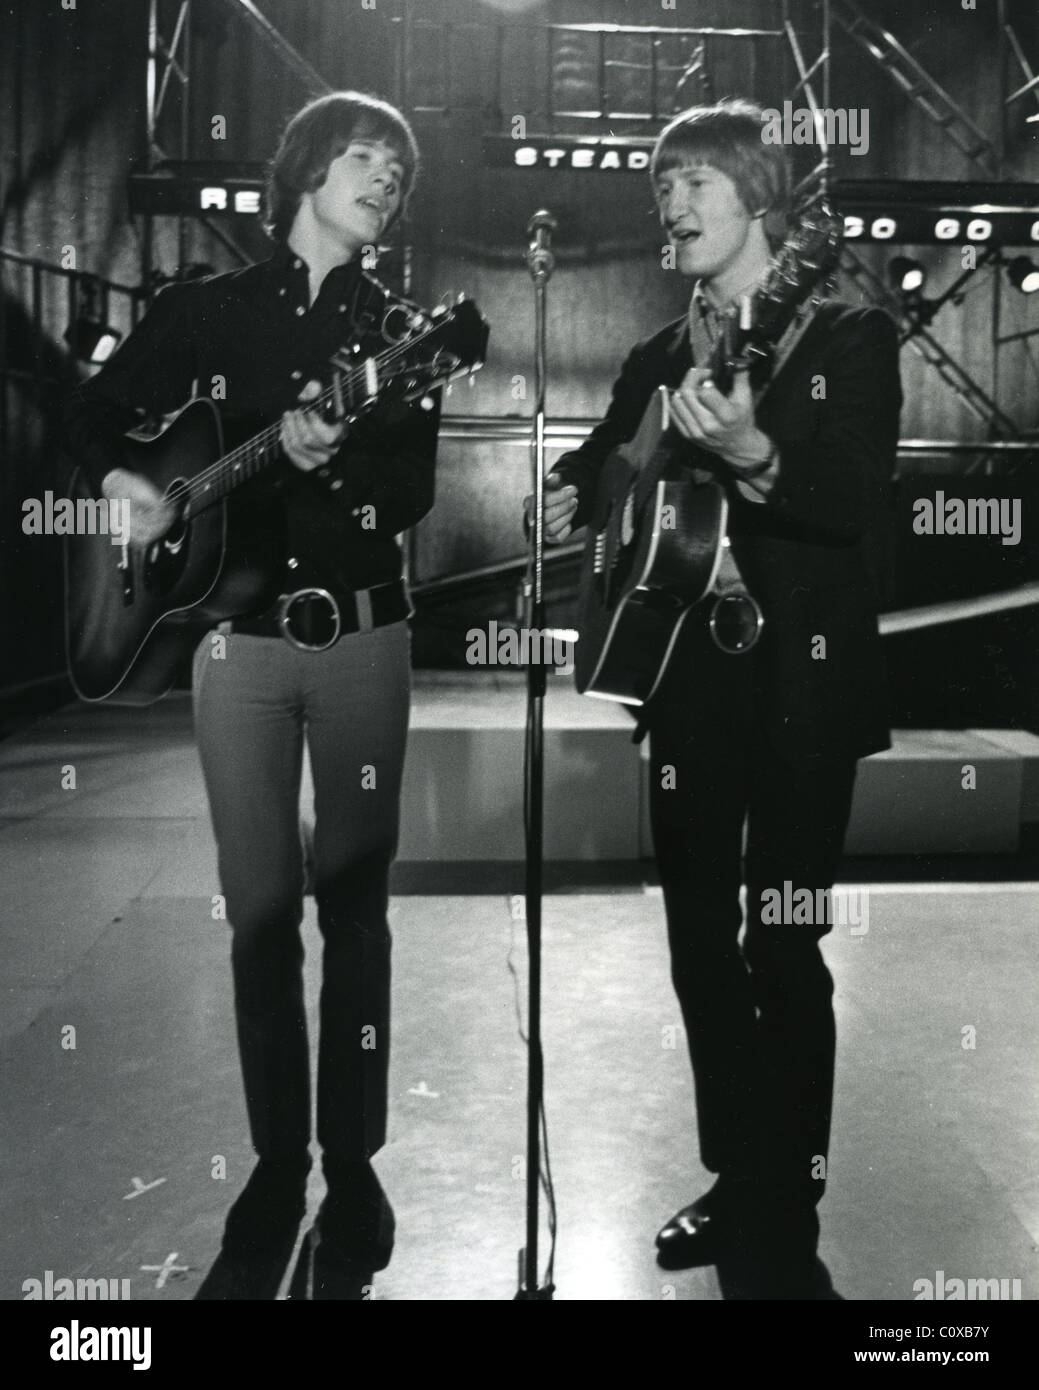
x: 875, y: 210
x: 910, y: 213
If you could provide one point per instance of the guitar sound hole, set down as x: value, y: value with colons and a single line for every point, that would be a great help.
x: 174, y: 538
x: 166, y: 558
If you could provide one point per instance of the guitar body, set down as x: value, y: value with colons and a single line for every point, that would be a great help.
x: 132, y: 616
x: 650, y: 555
x: 656, y: 543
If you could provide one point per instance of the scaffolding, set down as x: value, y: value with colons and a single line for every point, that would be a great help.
x: 635, y: 77
x: 168, y: 109
x: 599, y: 76
x: 593, y: 79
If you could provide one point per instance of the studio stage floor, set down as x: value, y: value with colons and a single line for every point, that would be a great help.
x: 108, y: 1152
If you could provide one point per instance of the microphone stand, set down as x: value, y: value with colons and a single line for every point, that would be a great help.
x: 540, y: 262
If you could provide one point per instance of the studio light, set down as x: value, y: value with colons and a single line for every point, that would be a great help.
x: 1023, y: 274
x: 906, y: 275
x: 92, y: 342
x: 89, y: 336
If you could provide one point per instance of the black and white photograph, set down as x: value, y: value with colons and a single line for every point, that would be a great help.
x: 519, y: 715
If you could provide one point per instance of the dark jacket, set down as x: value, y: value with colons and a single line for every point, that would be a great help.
x: 809, y: 553
x: 248, y: 339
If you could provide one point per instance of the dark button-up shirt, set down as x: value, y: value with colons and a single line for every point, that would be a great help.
x: 250, y: 340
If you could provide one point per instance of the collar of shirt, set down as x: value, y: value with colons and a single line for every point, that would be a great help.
x: 706, y: 319
x: 702, y: 294
x: 291, y: 277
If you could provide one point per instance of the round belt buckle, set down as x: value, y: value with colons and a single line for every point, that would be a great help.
x: 736, y: 622
x: 309, y: 619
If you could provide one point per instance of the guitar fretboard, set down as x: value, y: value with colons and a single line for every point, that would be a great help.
x: 221, y: 478
x: 354, y: 390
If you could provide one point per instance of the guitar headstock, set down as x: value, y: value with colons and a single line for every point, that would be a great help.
x: 454, y: 344
x: 462, y: 331
x: 426, y: 350
x: 805, y: 261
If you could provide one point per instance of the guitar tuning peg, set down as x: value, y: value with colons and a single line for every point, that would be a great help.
x: 471, y: 378
x: 448, y: 388
x: 426, y: 403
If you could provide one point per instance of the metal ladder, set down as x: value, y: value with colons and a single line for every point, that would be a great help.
x: 917, y: 84
x: 977, y: 401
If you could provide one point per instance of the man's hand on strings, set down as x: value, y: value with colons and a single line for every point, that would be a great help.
x: 724, y: 425
x: 308, y: 440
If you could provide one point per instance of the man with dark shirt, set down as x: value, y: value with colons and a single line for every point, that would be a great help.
x: 259, y: 340
x: 753, y: 755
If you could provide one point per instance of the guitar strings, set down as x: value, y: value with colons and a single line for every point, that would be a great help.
x: 269, y: 435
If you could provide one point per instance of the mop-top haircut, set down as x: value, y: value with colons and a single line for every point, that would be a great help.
x: 728, y: 137
x: 320, y: 133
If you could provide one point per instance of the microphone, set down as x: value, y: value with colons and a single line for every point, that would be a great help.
x: 540, y: 260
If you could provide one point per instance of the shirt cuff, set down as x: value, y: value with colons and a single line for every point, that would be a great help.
x: 757, y: 488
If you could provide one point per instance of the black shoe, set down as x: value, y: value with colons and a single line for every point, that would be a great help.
x: 259, y: 1233
x: 321, y: 1276
x: 742, y: 1277
x: 269, y: 1209
x: 256, y: 1277
x: 771, y: 1252
x: 341, y: 1280
x: 818, y: 1286
x: 691, y: 1238
x: 355, y: 1226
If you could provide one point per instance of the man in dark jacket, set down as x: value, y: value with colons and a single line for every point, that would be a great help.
x: 753, y: 755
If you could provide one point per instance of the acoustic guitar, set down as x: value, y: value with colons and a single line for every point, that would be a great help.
x: 133, y: 614
x: 656, y: 545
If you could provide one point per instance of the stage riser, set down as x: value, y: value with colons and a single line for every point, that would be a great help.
x: 463, y: 786
x: 913, y: 802
x: 463, y: 795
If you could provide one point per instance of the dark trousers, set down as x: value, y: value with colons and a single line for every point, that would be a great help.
x: 253, y: 709
x: 758, y: 1013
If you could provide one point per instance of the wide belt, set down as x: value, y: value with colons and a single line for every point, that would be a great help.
x: 313, y: 619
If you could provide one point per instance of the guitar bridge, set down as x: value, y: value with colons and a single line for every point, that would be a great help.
x: 599, y: 558
x: 125, y: 568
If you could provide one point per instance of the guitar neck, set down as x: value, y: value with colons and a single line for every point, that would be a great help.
x: 221, y: 478
x: 355, y: 389
x: 435, y: 349
x: 806, y: 258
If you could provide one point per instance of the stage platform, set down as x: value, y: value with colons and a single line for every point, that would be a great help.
x: 935, y: 792
x: 108, y: 1162
x: 108, y: 1166
x: 464, y: 784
